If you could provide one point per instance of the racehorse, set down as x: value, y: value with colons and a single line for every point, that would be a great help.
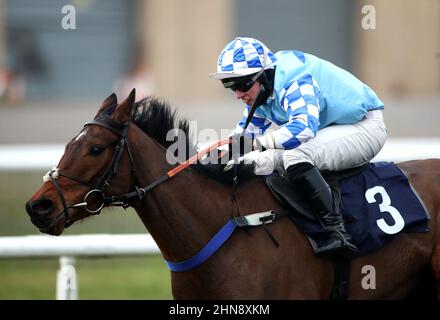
x: 124, y: 147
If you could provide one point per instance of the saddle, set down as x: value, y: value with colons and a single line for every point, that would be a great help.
x: 295, y: 199
x: 376, y: 200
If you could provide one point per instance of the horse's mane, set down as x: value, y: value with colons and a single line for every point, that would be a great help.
x: 157, y: 119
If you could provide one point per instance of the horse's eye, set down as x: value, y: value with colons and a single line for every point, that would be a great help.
x: 95, y: 150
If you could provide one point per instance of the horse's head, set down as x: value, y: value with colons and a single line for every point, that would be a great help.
x: 95, y: 163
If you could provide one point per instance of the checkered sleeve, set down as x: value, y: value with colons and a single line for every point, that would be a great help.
x: 257, y: 126
x: 299, y: 100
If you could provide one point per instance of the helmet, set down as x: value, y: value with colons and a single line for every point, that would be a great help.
x: 242, y: 57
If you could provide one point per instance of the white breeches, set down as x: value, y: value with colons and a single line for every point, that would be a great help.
x: 340, y: 147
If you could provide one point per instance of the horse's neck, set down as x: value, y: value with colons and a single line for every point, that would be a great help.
x: 182, y: 213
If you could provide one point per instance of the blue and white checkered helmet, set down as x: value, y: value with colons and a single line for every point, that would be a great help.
x: 242, y: 57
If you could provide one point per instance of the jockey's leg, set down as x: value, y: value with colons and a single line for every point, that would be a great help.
x: 307, y: 177
x: 334, y: 148
x: 340, y: 147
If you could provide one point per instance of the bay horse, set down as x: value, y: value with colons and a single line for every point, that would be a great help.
x: 183, y: 213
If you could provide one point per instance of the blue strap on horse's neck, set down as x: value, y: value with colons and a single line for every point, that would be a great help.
x: 208, y: 250
x: 255, y: 219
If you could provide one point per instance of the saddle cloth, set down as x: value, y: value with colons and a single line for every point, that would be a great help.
x: 378, y: 203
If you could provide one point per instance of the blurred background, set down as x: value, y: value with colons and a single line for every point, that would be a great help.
x: 52, y: 80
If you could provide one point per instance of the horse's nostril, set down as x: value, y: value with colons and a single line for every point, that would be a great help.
x: 40, y: 207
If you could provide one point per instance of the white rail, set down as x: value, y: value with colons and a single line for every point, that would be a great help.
x: 69, y: 247
x: 45, y: 156
x: 77, y: 245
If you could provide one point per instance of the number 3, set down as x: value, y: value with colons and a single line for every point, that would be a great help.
x: 385, y: 206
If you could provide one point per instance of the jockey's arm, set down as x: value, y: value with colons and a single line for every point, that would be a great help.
x: 301, y: 105
x: 256, y: 127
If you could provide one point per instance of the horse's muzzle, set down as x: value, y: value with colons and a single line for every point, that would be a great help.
x: 39, y: 211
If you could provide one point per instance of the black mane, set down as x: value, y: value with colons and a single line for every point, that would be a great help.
x: 156, y: 118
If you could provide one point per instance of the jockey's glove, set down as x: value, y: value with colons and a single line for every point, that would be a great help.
x: 265, y: 162
x: 241, y: 144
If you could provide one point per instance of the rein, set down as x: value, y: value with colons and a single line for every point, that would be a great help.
x: 97, y: 194
x: 97, y: 191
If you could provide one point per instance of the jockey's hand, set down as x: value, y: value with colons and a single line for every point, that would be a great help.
x: 265, y: 162
x: 241, y: 145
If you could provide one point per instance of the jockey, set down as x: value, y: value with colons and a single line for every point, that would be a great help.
x: 327, y: 120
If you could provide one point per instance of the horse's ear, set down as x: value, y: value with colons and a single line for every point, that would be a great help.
x: 111, y: 100
x: 122, y: 112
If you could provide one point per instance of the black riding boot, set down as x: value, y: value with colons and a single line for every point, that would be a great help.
x: 310, y: 180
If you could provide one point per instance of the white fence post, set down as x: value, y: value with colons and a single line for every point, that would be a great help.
x: 67, y: 282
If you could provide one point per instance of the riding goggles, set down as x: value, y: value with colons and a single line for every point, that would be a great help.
x: 242, y: 86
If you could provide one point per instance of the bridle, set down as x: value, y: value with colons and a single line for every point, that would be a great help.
x: 97, y: 191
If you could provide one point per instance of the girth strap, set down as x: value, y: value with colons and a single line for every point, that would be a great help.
x: 340, y: 289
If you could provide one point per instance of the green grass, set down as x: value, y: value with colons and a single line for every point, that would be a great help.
x: 103, y: 278
x: 98, y: 278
